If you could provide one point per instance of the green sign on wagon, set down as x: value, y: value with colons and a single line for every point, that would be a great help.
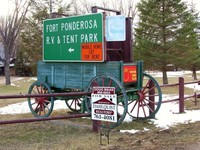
x: 74, y: 39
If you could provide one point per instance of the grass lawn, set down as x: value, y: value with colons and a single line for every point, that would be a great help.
x: 76, y: 134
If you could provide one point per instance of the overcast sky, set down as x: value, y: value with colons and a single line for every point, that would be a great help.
x: 7, y: 5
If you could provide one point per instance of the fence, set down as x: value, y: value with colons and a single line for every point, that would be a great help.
x: 48, y: 118
x: 181, y: 96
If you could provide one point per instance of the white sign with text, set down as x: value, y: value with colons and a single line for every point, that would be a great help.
x: 104, y: 106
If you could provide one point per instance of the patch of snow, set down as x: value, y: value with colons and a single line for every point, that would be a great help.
x: 133, y: 131
x: 20, y: 108
x: 12, y: 84
x: 168, y: 116
x: 194, y: 86
x: 172, y: 74
x: 130, y: 131
x: 33, y: 78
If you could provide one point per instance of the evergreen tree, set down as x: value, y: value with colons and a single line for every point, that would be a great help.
x: 161, y: 32
x: 194, y: 63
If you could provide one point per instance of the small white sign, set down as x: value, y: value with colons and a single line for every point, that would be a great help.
x: 104, y: 107
x: 103, y: 90
x: 115, y: 28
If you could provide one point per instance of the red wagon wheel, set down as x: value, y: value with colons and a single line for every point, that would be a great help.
x: 109, y: 81
x: 40, y: 106
x: 149, y: 99
x: 74, y: 104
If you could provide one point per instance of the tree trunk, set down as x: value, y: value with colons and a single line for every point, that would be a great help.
x: 7, y: 65
x: 165, y: 79
x: 7, y: 71
x: 194, y: 74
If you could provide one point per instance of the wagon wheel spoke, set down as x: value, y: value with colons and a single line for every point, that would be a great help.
x: 78, y: 102
x: 142, y: 105
x: 40, y: 112
x: 75, y: 103
x: 72, y: 103
x: 37, y: 108
x: 95, y: 83
x: 43, y: 108
x: 34, y: 103
x: 41, y: 89
x: 103, y: 82
x: 130, y: 102
x: 38, y: 91
x: 45, y: 101
x: 146, y: 86
x: 35, y: 91
x: 150, y: 109
x: 134, y: 106
x: 117, y: 88
x: 138, y: 109
x: 110, y: 83
x: 150, y: 101
x: 46, y: 107
x: 149, y: 90
x: 156, y: 95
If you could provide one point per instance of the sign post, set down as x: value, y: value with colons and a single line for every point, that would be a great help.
x: 103, y: 109
x: 77, y: 39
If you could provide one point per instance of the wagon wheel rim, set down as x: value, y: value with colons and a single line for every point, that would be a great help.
x: 40, y: 106
x: 74, y: 104
x: 149, y: 99
x: 109, y: 81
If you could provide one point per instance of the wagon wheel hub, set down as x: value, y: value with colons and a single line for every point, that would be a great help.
x: 42, y: 102
x: 141, y: 96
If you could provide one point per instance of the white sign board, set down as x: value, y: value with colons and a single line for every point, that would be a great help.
x: 104, y: 106
x: 115, y: 28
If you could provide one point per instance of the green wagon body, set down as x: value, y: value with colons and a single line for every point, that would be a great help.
x: 78, y: 75
x: 75, y: 75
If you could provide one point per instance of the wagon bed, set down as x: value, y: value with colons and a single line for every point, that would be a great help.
x: 77, y: 75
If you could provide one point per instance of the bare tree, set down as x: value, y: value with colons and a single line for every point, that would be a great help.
x: 10, y: 26
x: 128, y: 7
x: 83, y: 6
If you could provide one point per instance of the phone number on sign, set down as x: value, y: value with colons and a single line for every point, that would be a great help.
x: 103, y: 117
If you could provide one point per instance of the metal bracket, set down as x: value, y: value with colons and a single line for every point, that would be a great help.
x: 104, y: 132
x: 95, y: 8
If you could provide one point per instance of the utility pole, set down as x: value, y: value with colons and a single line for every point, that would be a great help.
x: 50, y: 9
